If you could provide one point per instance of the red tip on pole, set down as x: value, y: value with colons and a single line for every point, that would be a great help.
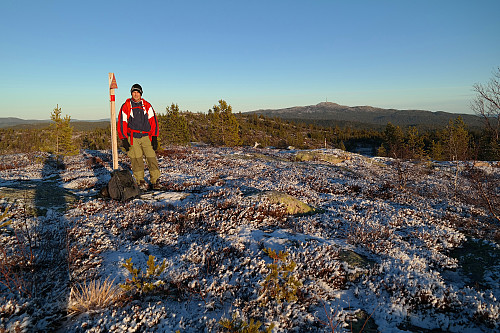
x: 113, y: 84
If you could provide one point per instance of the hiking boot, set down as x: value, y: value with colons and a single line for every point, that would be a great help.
x: 143, y: 186
x: 156, y: 186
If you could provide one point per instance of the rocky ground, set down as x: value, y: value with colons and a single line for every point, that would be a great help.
x: 369, y: 244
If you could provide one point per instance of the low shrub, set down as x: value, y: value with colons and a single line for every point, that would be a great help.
x: 280, y: 284
x: 238, y: 325
x: 144, y: 282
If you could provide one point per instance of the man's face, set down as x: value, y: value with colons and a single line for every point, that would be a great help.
x: 136, y: 96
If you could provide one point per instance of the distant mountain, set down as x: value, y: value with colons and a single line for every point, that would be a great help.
x: 12, y: 121
x: 329, y: 114
x: 79, y: 125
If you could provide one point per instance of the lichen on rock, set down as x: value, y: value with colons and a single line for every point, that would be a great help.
x: 293, y: 205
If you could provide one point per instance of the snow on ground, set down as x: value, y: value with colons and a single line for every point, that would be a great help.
x: 394, y: 246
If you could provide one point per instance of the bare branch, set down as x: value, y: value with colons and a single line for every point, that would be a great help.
x: 487, y: 104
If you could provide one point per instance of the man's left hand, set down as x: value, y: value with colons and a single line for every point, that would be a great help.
x: 154, y: 142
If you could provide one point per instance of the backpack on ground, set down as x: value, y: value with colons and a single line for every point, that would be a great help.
x: 122, y: 186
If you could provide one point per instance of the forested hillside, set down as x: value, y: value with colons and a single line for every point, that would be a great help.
x: 221, y: 127
x: 327, y: 113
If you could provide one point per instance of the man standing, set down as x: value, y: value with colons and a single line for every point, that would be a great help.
x: 138, y: 131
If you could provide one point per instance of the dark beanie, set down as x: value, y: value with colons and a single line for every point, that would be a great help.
x: 136, y: 87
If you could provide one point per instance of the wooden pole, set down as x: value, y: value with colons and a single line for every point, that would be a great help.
x: 114, y: 145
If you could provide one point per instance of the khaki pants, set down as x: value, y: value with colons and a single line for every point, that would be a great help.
x: 142, y: 147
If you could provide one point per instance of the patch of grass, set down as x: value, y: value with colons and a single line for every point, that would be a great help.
x: 95, y: 295
x: 4, y: 219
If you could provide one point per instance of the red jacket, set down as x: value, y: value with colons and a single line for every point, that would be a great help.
x: 124, y: 131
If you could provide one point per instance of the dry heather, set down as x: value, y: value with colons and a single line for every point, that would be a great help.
x: 401, y: 246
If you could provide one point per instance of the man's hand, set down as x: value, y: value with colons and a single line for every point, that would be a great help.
x: 154, y: 142
x: 125, y: 144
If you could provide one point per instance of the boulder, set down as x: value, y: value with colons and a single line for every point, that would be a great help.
x: 304, y: 156
x: 292, y: 204
x: 481, y: 164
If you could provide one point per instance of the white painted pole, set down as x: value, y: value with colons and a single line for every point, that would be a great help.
x: 114, y: 145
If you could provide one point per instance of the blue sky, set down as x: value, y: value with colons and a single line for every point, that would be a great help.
x: 253, y: 54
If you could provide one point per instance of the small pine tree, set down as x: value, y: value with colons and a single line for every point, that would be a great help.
x: 393, y: 140
x: 415, y: 144
x: 174, y: 127
x: 62, y: 133
x: 437, y: 150
x: 214, y: 127
x: 381, y: 151
x: 456, y: 140
x: 224, y: 127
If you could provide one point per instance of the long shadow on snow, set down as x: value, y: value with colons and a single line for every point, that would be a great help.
x: 39, y: 195
x: 52, y: 274
x: 97, y: 161
x: 48, y: 193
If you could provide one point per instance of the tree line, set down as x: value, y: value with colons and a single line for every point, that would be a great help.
x: 221, y: 127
